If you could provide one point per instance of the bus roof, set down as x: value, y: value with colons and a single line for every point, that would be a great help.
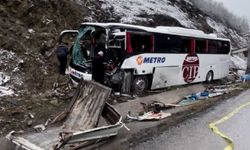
x: 161, y: 29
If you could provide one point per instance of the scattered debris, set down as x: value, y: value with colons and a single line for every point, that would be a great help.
x: 74, y: 130
x: 31, y: 116
x: 29, y: 123
x: 215, y: 94
x: 47, y: 122
x: 124, y: 95
x: 210, y: 92
x: 157, y: 106
x: 39, y: 127
x: 153, y: 111
x: 245, y: 77
x: 151, y: 115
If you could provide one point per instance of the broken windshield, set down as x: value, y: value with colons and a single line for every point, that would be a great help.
x: 84, y: 46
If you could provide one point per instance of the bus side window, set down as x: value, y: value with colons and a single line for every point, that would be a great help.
x: 223, y: 47
x: 200, y: 46
x: 212, y: 47
x: 166, y: 43
x: 186, y: 46
x: 141, y: 43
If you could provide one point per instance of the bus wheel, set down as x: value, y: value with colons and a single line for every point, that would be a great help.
x: 209, y: 77
x: 140, y: 84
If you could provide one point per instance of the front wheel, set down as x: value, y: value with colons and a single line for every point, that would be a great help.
x: 140, y: 84
x: 209, y: 77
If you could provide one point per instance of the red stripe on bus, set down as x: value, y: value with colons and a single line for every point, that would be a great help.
x: 129, y: 47
x: 152, y: 43
x: 192, y: 48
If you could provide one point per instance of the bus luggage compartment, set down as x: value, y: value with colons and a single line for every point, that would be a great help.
x: 165, y: 76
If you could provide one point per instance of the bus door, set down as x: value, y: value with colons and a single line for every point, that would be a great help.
x: 137, y: 42
x: 67, y: 36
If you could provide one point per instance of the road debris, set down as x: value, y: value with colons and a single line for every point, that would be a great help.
x: 189, y: 99
x: 149, y: 116
x: 210, y: 92
x: 29, y: 123
x: 69, y: 129
x: 31, y: 116
x: 39, y: 127
x: 157, y: 106
x: 152, y: 111
x: 245, y: 77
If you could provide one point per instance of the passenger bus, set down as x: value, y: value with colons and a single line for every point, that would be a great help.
x: 139, y: 58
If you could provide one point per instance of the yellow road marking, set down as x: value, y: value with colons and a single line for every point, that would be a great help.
x: 212, y: 126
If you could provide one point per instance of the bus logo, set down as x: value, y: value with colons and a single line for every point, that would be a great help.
x: 139, y: 60
x: 190, y: 68
x: 150, y: 60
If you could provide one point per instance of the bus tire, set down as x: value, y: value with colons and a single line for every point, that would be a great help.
x: 209, y: 77
x: 140, y: 84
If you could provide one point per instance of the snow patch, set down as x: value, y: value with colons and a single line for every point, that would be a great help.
x: 3, y: 78
x: 223, y: 31
x: 131, y: 10
x: 11, y: 74
x: 218, y: 27
x: 31, y: 31
x: 238, y: 63
x: 4, y: 91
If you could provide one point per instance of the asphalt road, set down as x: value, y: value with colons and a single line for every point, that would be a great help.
x: 194, y: 133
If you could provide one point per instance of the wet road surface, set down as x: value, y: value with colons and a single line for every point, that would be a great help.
x: 194, y: 134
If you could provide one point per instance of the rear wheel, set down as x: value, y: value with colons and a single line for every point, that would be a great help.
x: 140, y: 84
x: 209, y: 77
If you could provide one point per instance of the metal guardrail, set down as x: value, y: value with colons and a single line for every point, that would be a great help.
x: 239, y: 50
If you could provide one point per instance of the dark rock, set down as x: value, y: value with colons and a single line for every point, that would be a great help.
x: 17, y: 111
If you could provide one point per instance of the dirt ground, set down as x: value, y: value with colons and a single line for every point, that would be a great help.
x: 21, y: 113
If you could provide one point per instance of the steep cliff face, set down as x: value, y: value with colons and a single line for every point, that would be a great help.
x: 29, y: 30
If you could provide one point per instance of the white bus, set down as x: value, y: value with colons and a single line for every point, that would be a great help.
x: 139, y: 58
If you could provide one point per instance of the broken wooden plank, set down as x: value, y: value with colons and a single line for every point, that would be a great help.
x: 88, y: 104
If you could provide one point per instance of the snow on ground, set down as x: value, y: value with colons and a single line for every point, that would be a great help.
x: 3, y: 78
x: 223, y: 31
x: 130, y: 10
x: 10, y: 72
x: 4, y: 91
x: 238, y: 62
